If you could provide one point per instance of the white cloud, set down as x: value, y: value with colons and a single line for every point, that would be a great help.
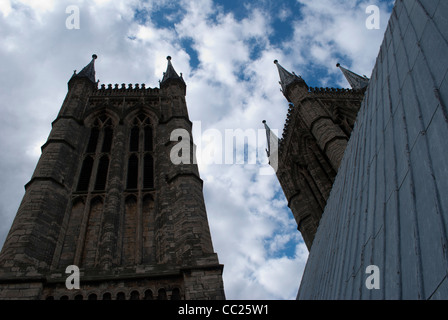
x: 5, y: 7
x: 39, y: 6
x: 230, y: 88
x: 335, y: 30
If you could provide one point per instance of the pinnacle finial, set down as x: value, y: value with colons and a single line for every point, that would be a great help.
x: 170, y: 74
x: 264, y: 121
x: 287, y: 78
x: 355, y: 80
x: 88, y: 71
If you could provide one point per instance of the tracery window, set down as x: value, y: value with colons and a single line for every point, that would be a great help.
x: 140, y: 170
x: 96, y: 157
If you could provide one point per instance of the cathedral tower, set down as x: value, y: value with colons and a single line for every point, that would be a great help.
x: 106, y: 197
x: 317, y: 129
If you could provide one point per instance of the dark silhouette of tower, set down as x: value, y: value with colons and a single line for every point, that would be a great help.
x: 317, y: 129
x: 106, y: 197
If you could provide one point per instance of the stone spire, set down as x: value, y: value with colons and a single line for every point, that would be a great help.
x: 355, y: 80
x: 272, y: 140
x: 287, y: 78
x: 171, y: 74
x: 272, y: 150
x: 88, y: 71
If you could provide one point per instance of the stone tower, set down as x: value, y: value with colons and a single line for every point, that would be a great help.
x: 106, y: 197
x: 307, y: 157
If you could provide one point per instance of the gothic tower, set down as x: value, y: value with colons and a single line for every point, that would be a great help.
x: 307, y: 157
x: 106, y: 197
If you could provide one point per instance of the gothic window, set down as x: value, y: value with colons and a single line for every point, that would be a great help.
x: 148, y: 138
x: 129, y: 239
x: 94, y: 133
x: 148, y: 254
x: 132, y: 172
x: 89, y: 255
x: 140, y: 170
x: 101, y: 174
x: 96, y: 160
x: 133, y: 144
x: 84, y: 176
x: 148, y: 174
x: 107, y: 141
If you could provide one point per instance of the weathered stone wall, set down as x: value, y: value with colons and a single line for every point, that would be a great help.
x: 153, y: 235
x: 318, y: 126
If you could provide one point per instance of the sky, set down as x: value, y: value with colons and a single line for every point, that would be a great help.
x: 225, y: 50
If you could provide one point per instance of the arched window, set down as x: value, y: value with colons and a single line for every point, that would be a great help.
x: 130, y: 230
x: 96, y: 162
x: 133, y: 143
x: 84, y: 176
x: 132, y: 172
x: 121, y: 296
x: 148, y: 172
x: 175, y: 294
x: 135, y: 295
x: 107, y: 296
x: 162, y: 294
x: 101, y: 174
x: 107, y: 140
x: 141, y: 160
x: 93, y: 140
x: 149, y: 295
x: 92, y: 296
x: 148, y: 137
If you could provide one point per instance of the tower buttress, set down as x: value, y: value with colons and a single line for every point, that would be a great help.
x: 183, y: 181
x: 315, y: 136
x: 34, y: 235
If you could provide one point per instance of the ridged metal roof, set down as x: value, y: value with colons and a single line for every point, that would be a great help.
x: 389, y: 203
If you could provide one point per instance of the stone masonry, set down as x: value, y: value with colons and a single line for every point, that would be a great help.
x: 106, y: 197
x: 317, y: 129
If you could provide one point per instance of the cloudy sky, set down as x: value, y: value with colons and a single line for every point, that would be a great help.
x: 225, y: 50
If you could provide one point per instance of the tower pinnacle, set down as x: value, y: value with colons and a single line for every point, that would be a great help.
x: 355, y: 80
x: 287, y: 78
x: 272, y: 139
x: 171, y: 74
x: 88, y: 71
